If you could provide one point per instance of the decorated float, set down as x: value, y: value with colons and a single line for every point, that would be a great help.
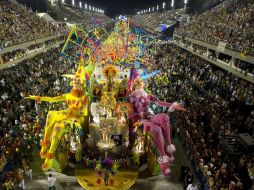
x: 108, y: 126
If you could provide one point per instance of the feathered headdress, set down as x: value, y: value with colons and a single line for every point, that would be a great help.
x: 83, y: 72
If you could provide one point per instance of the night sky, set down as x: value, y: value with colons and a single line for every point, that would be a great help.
x: 125, y: 7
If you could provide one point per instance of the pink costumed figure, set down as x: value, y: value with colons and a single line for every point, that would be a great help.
x: 158, y: 125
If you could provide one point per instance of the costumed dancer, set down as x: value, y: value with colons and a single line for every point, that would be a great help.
x: 158, y: 125
x: 59, y: 123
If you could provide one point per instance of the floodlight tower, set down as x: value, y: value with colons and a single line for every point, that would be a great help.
x: 172, y: 4
x: 185, y: 4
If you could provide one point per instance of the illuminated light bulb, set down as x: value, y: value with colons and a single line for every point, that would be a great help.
x: 172, y: 3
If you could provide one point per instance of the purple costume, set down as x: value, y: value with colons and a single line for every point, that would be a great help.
x: 158, y: 124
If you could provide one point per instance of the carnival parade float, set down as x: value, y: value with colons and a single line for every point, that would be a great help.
x: 107, y: 125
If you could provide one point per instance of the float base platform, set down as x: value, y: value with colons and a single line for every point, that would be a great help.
x: 123, y: 179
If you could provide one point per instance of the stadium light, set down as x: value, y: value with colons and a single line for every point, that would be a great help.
x: 80, y: 4
x: 85, y: 6
x: 185, y: 1
x: 157, y: 7
x: 163, y: 5
x: 73, y: 2
x: 62, y: 1
x: 172, y: 3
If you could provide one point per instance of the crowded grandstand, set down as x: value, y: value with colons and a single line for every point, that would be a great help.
x: 160, y: 97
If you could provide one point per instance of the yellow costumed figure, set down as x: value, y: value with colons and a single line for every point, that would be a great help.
x: 59, y: 123
x: 108, y: 101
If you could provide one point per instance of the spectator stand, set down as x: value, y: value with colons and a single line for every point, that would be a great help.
x: 192, y: 163
x: 220, y: 23
x: 218, y: 26
x: 20, y: 24
x: 230, y: 67
x: 201, y: 84
x: 216, y: 49
x: 15, y: 54
x: 150, y: 21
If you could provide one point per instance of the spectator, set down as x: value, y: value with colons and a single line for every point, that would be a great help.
x: 51, y: 182
x: 21, y: 178
x: 192, y: 187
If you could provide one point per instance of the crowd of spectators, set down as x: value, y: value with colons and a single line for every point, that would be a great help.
x: 228, y: 22
x: 13, y: 55
x: 154, y: 19
x: 20, y: 119
x: 20, y: 24
x: 238, y: 64
x: 76, y: 14
x: 20, y: 53
x: 244, y: 66
x: 219, y: 104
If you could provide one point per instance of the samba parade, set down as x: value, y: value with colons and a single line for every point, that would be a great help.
x: 126, y: 95
x: 107, y: 113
